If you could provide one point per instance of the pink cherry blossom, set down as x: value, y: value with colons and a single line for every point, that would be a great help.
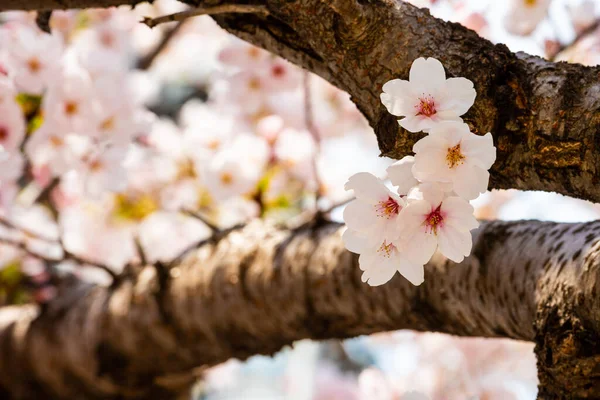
x: 437, y: 222
x: 451, y: 153
x: 427, y: 98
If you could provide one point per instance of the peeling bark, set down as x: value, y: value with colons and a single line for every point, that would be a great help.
x: 262, y: 288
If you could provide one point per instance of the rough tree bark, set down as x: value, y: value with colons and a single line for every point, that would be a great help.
x: 525, y: 280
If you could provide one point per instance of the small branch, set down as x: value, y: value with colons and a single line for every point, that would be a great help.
x: 587, y: 31
x: 140, y: 250
x: 221, y: 9
x: 311, y: 127
x: 146, y: 62
x: 42, y: 20
x: 214, y: 228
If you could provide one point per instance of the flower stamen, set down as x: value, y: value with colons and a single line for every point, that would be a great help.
x: 454, y: 156
x: 426, y: 106
x: 386, y: 249
x: 433, y: 220
x: 387, y: 208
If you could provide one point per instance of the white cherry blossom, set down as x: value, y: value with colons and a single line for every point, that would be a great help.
x: 451, y: 153
x: 523, y: 16
x: 11, y: 166
x: 437, y: 222
x: 33, y: 57
x: 374, y: 213
x: 401, y: 175
x: 379, y: 263
x: 12, y: 125
x: 427, y: 98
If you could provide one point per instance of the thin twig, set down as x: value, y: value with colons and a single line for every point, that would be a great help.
x: 140, y: 250
x: 214, y: 228
x: 27, y: 232
x: 312, y: 129
x: 146, y: 62
x: 221, y: 9
x: 336, y: 205
x: 587, y: 31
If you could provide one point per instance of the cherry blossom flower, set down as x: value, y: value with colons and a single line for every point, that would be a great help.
x: 12, y: 125
x: 34, y: 57
x: 375, y: 211
x: 427, y: 98
x: 296, y: 150
x: 52, y: 148
x: 103, y: 171
x: 70, y: 101
x: 523, y: 16
x: 437, y: 222
x: 451, y: 153
x: 401, y: 175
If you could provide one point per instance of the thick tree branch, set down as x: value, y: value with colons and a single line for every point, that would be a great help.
x: 261, y: 288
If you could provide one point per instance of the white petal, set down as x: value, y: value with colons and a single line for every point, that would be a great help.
x: 427, y: 73
x: 431, y: 165
x: 418, y: 123
x: 420, y: 247
x: 470, y: 181
x: 367, y: 187
x: 432, y: 193
x: 359, y: 216
x: 379, y: 274
x: 354, y: 241
x: 451, y: 132
x: 431, y: 142
x: 459, y: 213
x: 459, y: 95
x: 397, y: 97
x: 412, y: 272
x: 400, y: 174
x: 411, y: 218
x: 454, y: 244
x: 479, y: 150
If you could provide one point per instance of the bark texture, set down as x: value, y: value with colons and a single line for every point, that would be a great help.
x: 262, y: 288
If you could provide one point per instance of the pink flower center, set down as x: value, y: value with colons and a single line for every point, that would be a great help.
x: 3, y: 134
x: 278, y: 71
x: 426, y: 106
x: 433, y: 220
x: 386, y: 249
x: 387, y: 208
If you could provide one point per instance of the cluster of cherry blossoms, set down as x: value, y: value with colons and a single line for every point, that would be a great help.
x: 429, y: 210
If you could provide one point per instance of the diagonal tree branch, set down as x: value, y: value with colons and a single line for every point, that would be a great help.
x: 261, y: 288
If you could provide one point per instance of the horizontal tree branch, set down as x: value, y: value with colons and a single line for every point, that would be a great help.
x: 261, y: 288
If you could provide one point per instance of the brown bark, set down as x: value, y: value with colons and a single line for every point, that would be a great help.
x: 261, y: 288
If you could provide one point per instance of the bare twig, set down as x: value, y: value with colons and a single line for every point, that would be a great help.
x: 312, y: 128
x: 140, y: 250
x: 587, y: 31
x: 146, y: 62
x: 220, y: 9
x: 214, y: 228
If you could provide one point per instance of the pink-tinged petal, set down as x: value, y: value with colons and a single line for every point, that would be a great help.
x: 458, y: 213
x: 480, y: 150
x: 431, y: 142
x: 433, y: 193
x: 470, y: 181
x: 367, y: 187
x: 454, y: 244
x: 459, y: 95
x: 414, y: 273
x: 432, y: 166
x: 400, y: 174
x: 450, y: 132
x: 397, y: 97
x: 417, y: 123
x: 420, y: 247
x: 360, y: 216
x: 354, y: 241
x: 411, y: 218
x: 427, y: 73
x: 381, y: 272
